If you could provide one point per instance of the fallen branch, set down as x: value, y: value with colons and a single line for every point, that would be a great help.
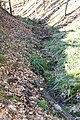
x: 54, y: 103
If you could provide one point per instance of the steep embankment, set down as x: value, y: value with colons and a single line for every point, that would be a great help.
x: 19, y: 99
x: 63, y: 52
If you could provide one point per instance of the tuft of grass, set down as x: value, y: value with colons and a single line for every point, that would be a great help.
x: 15, y: 98
x: 39, y: 64
x: 2, y: 58
x: 64, y: 49
x: 3, y: 95
x: 75, y: 88
x: 43, y: 105
x: 27, y: 21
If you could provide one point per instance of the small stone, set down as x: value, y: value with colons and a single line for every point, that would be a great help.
x: 6, y: 87
x: 74, y: 109
x: 0, y: 104
x: 12, y: 108
x: 41, y: 89
x: 19, y: 103
x: 33, y: 102
x: 39, y: 112
x: 6, y: 111
x: 24, y: 119
x: 21, y: 111
x: 31, y: 113
x: 57, y: 107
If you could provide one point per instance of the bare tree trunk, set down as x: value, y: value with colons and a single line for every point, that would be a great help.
x: 35, y: 8
x: 44, y: 4
x: 0, y: 3
x: 10, y: 7
x: 66, y: 6
x: 23, y: 2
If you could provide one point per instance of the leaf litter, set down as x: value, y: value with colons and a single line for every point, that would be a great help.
x: 19, y: 98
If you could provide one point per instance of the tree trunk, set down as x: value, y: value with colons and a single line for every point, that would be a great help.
x: 10, y: 7
x: 66, y: 6
x: 35, y: 8
x: 23, y: 2
x: 44, y: 4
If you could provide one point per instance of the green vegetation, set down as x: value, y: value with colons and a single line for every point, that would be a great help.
x: 3, y: 33
x: 62, y: 70
x: 15, y: 98
x: 2, y: 58
x: 59, y: 63
x: 39, y: 64
x: 64, y: 48
x: 43, y: 105
x: 27, y: 21
x: 3, y: 95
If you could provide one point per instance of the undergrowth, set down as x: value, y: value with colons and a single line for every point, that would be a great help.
x: 59, y: 63
x: 2, y: 58
x: 39, y: 64
x: 43, y: 104
x: 28, y: 21
x: 62, y: 70
x: 64, y: 49
x: 3, y: 95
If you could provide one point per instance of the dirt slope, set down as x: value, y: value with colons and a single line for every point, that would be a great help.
x: 19, y: 99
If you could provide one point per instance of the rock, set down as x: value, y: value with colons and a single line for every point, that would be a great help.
x: 74, y: 109
x: 2, y: 105
x: 24, y: 119
x: 12, y: 108
x: 31, y: 113
x: 55, y: 118
x: 39, y: 112
x: 6, y: 87
x: 41, y: 89
x: 34, y: 102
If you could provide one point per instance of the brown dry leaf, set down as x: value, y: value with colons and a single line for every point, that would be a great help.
x: 16, y: 74
x: 2, y: 113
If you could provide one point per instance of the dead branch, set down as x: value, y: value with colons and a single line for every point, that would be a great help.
x: 10, y: 7
x: 54, y: 103
x: 66, y: 6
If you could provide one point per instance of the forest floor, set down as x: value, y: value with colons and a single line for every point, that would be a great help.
x: 23, y: 49
x: 19, y: 97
